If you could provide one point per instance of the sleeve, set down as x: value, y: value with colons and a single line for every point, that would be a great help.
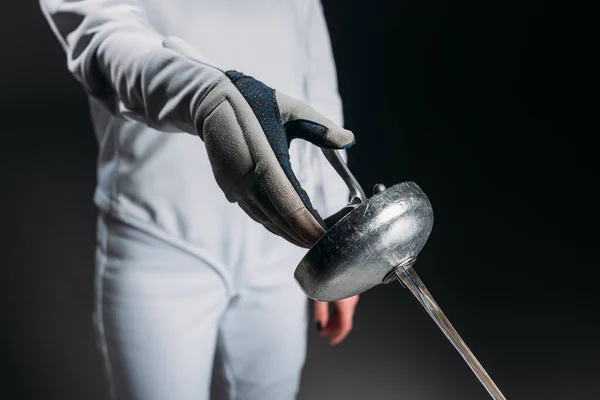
x: 323, y: 96
x: 120, y: 60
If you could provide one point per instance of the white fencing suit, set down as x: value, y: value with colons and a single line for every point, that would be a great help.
x: 181, y: 271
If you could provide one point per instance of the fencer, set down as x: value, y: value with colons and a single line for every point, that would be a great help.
x: 195, y: 154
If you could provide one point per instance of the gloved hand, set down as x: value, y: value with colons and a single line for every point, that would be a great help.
x: 247, y: 128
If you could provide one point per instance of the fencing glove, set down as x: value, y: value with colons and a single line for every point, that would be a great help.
x: 247, y: 128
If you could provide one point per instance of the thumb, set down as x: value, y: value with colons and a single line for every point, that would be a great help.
x: 304, y: 122
x: 321, y: 314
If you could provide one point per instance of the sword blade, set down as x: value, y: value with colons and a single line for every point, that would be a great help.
x: 409, y: 278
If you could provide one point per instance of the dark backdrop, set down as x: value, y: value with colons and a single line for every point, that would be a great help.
x: 488, y: 107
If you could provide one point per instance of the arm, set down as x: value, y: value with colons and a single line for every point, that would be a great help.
x: 119, y: 59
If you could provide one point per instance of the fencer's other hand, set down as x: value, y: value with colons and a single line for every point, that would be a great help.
x: 247, y: 128
x: 335, y: 325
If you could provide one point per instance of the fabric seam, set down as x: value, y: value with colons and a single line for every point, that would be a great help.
x: 178, y: 243
x: 228, y: 367
x: 100, y: 307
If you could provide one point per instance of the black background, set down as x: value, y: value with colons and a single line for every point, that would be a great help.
x: 488, y: 107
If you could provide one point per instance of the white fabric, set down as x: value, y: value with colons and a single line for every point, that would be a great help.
x: 165, y: 179
x: 162, y: 314
x: 167, y: 302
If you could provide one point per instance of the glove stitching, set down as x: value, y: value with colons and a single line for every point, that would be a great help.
x: 198, y: 120
x: 253, y: 170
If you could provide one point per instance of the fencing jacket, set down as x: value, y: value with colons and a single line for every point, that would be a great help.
x: 153, y: 172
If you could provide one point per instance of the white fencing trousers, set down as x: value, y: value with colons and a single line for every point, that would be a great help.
x: 162, y: 315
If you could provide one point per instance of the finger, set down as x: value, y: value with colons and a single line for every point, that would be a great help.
x: 315, y: 133
x: 257, y: 215
x: 341, y: 321
x: 290, y: 206
x: 332, y: 326
x: 261, y: 209
x: 321, y: 315
x: 323, y: 130
x: 254, y: 212
x: 266, y: 140
x: 271, y: 227
x: 274, y: 219
x: 345, y: 317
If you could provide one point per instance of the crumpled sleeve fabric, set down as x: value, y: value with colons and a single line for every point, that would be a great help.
x: 120, y: 60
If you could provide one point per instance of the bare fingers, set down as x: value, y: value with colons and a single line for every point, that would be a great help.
x: 338, y: 324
